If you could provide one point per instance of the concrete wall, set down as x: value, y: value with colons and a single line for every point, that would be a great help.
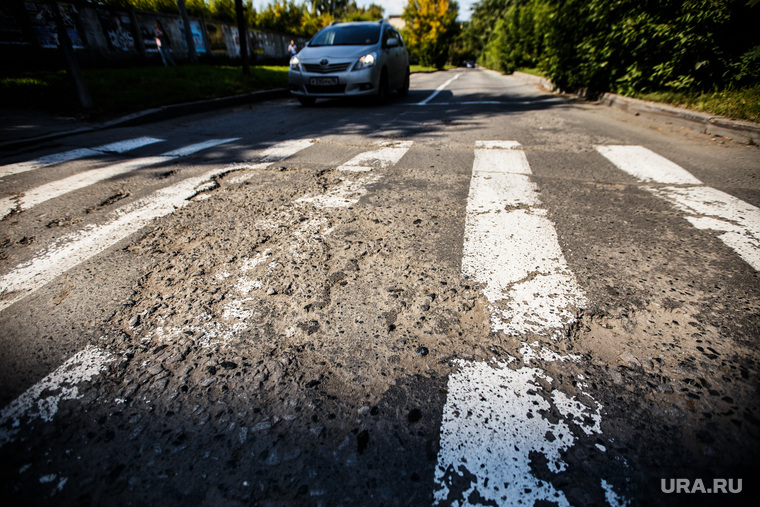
x: 103, y: 34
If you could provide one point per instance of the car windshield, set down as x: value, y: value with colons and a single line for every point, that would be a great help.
x: 347, y: 35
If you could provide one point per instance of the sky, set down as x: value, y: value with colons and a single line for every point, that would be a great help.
x: 392, y: 7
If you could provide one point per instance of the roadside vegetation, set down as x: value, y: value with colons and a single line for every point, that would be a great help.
x: 303, y: 18
x: 702, y: 54
x: 119, y: 91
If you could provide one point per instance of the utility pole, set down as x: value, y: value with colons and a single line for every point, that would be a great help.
x: 188, y: 32
x: 243, y: 32
x: 64, y: 42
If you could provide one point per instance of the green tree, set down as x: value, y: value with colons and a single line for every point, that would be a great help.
x: 624, y: 46
x: 220, y: 10
x: 431, y: 26
x: 373, y: 12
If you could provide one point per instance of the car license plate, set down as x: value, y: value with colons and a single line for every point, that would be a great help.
x: 323, y: 81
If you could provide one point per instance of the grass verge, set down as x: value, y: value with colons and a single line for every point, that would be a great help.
x: 421, y: 69
x: 741, y: 104
x: 121, y: 91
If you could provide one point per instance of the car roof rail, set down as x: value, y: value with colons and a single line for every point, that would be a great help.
x: 336, y: 22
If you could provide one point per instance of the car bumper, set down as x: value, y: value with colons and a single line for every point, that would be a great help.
x: 346, y: 84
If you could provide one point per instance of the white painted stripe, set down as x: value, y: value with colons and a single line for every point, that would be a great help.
x: 491, y: 430
x: 511, y: 247
x: 128, y: 145
x: 490, y: 102
x: 708, y: 208
x: 58, y: 188
x: 8, y: 204
x: 274, y: 153
x: 348, y: 192
x: 705, y: 207
x: 492, y: 425
x: 345, y: 194
x: 285, y: 149
x: 78, y: 181
x: 439, y: 90
x: 80, y: 246
x: 74, y: 249
x: 388, y: 154
x: 195, y: 148
x: 57, y: 158
x: 646, y: 165
x: 41, y: 400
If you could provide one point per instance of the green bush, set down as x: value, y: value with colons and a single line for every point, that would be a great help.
x: 624, y: 46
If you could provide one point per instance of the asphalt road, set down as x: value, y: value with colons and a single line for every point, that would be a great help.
x: 479, y: 294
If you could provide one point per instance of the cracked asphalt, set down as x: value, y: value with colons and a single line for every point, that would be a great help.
x: 308, y: 316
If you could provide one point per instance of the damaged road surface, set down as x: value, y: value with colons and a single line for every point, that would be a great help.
x: 479, y: 294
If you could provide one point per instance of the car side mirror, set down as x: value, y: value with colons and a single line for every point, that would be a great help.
x: 392, y: 42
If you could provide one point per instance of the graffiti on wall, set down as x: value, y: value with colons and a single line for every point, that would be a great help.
x: 45, y: 28
x: 118, y: 29
x: 109, y: 33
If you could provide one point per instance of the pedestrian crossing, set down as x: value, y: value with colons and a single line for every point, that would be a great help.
x: 704, y: 207
x: 85, y: 179
x: 77, y: 154
x: 491, y: 426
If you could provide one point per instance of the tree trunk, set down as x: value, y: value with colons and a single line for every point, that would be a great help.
x: 71, y: 60
x: 188, y: 32
x: 243, y: 32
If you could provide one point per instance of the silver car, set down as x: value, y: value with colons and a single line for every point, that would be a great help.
x: 355, y: 59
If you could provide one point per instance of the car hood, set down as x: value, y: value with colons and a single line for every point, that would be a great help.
x: 336, y: 52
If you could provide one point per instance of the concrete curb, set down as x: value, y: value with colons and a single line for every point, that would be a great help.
x: 157, y: 114
x: 743, y: 131
x: 540, y: 81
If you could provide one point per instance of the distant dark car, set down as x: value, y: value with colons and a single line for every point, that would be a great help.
x: 469, y: 64
x: 350, y: 60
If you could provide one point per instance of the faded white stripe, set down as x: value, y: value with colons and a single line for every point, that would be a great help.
x: 285, y: 149
x: 348, y: 192
x: 645, y: 165
x: 76, y: 248
x: 345, y: 194
x: 195, y: 148
x: 42, y: 399
x: 511, y: 246
x: 388, y: 154
x: 492, y: 427
x: 57, y: 158
x: 492, y: 424
x: 439, y: 90
x: 705, y: 207
x: 58, y: 188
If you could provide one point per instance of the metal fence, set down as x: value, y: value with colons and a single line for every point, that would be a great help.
x: 28, y: 33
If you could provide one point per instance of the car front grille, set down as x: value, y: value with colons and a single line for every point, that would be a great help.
x: 331, y: 68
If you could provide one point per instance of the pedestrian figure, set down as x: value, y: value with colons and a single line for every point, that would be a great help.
x: 164, y: 44
x: 292, y: 49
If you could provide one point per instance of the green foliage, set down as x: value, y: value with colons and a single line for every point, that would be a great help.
x: 289, y: 17
x: 138, y: 88
x: 285, y: 16
x: 219, y: 10
x: 430, y: 30
x: 625, y: 46
x: 743, y: 103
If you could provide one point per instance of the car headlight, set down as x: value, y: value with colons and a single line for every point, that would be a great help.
x: 294, y: 63
x: 365, y: 62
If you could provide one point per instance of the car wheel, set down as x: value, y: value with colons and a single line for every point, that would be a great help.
x: 404, y: 91
x: 307, y: 101
x: 383, y: 88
